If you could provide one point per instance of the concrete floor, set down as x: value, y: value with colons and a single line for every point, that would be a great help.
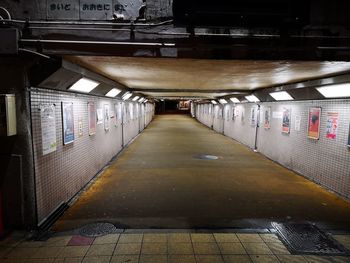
x: 158, y: 183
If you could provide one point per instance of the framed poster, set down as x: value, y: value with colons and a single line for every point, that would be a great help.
x: 48, y: 128
x: 332, y: 125
x: 297, y: 122
x: 267, y: 118
x: 286, y: 120
x: 99, y: 113
x: 233, y: 112
x: 252, y: 117
x: 349, y: 136
x: 92, y: 118
x: 67, y: 122
x: 313, y: 129
x: 106, y: 116
x: 80, y: 127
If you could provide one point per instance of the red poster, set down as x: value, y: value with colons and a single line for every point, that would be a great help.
x: 314, y: 123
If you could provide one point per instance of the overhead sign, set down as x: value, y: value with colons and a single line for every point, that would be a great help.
x: 92, y: 9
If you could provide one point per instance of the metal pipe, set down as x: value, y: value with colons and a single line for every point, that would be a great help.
x: 111, y: 23
x: 80, y: 28
x: 48, y: 41
x: 34, y: 52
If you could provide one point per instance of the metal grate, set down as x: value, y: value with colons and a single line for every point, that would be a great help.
x: 97, y: 229
x: 308, y: 239
x: 206, y: 157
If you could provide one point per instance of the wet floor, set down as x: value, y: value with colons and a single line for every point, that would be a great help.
x: 159, y: 182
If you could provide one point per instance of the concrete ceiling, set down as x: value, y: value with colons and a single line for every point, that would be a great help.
x: 167, y: 77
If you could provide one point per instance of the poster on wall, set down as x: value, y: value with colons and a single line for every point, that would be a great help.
x: 233, y: 113
x: 297, y: 121
x: 116, y: 114
x: 286, y: 120
x: 349, y: 136
x: 313, y: 129
x: 80, y: 126
x: 99, y: 113
x: 242, y: 116
x: 68, y: 122
x: 267, y: 118
x: 252, y: 117
x: 131, y: 111
x: 92, y: 118
x: 332, y: 125
x: 106, y: 116
x: 120, y: 105
x: 48, y: 128
x: 227, y: 114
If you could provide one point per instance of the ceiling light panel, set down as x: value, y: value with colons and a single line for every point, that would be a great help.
x: 113, y: 92
x: 335, y: 91
x: 281, y: 95
x: 84, y: 85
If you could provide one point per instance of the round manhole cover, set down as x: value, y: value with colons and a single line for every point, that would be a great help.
x: 206, y: 157
x: 97, y: 229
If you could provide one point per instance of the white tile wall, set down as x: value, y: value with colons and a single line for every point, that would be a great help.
x: 324, y: 161
x: 61, y: 174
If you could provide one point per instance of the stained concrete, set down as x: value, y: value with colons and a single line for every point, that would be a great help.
x: 157, y: 183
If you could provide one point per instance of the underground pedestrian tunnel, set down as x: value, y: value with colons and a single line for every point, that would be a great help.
x: 227, y: 120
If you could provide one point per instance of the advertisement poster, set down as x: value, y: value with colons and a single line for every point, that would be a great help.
x: 332, y: 125
x: 48, y: 128
x: 106, y: 116
x: 252, y: 117
x: 286, y: 120
x: 92, y: 117
x: 227, y: 114
x: 233, y: 113
x: 67, y: 122
x: 267, y: 118
x: 297, y: 122
x: 80, y: 126
x: 313, y: 130
x: 131, y: 111
x: 349, y: 137
x: 99, y: 116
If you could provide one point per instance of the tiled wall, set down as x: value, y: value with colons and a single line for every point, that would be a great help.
x: 325, y: 161
x: 61, y: 174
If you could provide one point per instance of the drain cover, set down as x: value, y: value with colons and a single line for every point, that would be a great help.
x: 206, y: 157
x: 308, y: 239
x: 97, y: 229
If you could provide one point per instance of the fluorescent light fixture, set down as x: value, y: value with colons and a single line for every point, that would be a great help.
x: 214, y: 102
x: 252, y: 98
x: 141, y: 99
x: 335, y: 91
x: 136, y: 98
x: 145, y: 101
x: 234, y: 100
x: 281, y: 95
x: 84, y: 85
x: 127, y: 95
x: 113, y: 92
x: 222, y: 101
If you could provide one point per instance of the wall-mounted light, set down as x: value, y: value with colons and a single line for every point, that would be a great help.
x: 84, y: 85
x: 335, y: 91
x: 234, y: 100
x: 135, y: 98
x: 126, y: 95
x: 214, y: 102
x: 252, y: 98
x: 281, y: 95
x: 113, y: 92
x: 223, y: 101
